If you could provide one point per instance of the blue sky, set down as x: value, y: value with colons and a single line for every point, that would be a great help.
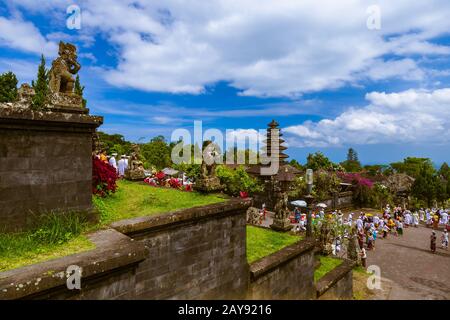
x: 325, y: 70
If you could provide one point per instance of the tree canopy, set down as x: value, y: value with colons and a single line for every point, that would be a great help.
x: 40, y: 86
x: 8, y: 87
x: 352, y: 163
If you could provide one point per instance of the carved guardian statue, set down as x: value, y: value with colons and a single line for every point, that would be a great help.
x: 63, y: 69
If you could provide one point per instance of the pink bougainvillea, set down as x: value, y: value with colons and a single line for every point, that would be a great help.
x: 356, y: 178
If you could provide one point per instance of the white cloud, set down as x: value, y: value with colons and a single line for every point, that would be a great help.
x: 24, y: 70
x: 412, y: 116
x: 23, y: 35
x: 263, y: 47
x: 164, y: 113
x: 405, y: 69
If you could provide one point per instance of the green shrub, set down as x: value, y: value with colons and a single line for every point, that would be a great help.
x: 56, y: 228
x: 236, y: 180
x: 8, y: 87
x: 41, y: 87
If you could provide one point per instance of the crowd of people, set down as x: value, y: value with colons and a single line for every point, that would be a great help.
x: 120, y: 165
x: 370, y: 227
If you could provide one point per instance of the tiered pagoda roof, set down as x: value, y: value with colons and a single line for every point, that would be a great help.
x: 274, y: 131
x: 286, y: 171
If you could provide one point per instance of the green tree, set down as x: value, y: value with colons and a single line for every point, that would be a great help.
x: 40, y: 86
x: 413, y: 166
x: 8, y: 87
x: 79, y: 90
x: 448, y: 189
x: 375, y: 169
x: 444, y: 171
x: 296, y: 165
x: 325, y: 184
x: 236, y: 180
x: 114, y: 143
x: 352, y: 163
x: 441, y: 189
x: 318, y: 161
x: 425, y: 185
x: 352, y: 155
x: 249, y: 156
x: 157, y: 153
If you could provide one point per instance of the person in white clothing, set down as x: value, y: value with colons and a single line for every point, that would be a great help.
x: 350, y: 218
x: 122, y: 167
x: 359, y: 223
x: 376, y: 220
x: 444, y: 218
x: 444, y: 239
x: 112, y: 161
x: 416, y: 219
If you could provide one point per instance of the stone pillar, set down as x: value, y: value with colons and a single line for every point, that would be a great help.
x: 352, y: 252
x: 45, y: 163
x: 309, y: 201
x: 281, y: 220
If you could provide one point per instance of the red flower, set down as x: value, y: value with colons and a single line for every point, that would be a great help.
x: 175, y: 183
x: 243, y: 194
x: 160, y: 175
x: 104, y: 178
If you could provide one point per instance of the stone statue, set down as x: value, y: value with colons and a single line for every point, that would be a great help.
x: 61, y: 84
x: 25, y: 93
x: 281, y: 220
x: 253, y: 216
x: 208, y: 181
x: 135, y: 170
x: 352, y: 253
x: 63, y: 68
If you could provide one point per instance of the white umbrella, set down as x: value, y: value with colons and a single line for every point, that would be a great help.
x: 299, y: 203
x: 321, y: 205
x: 170, y: 171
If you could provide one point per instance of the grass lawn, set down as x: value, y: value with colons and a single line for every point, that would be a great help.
x: 54, y: 236
x: 19, y: 250
x: 360, y: 289
x: 138, y: 199
x: 326, y: 265
x: 58, y: 236
x: 263, y: 242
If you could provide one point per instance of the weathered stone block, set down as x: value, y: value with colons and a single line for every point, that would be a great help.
x: 45, y: 159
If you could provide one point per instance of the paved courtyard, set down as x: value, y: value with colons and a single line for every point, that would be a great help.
x: 414, y: 272
x: 408, y: 268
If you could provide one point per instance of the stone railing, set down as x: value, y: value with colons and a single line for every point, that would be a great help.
x: 338, y: 283
x: 285, y: 274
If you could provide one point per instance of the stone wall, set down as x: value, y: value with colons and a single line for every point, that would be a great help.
x: 108, y: 272
x: 340, y: 201
x: 197, y: 253
x: 45, y: 164
x: 286, y: 274
x: 337, y: 284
